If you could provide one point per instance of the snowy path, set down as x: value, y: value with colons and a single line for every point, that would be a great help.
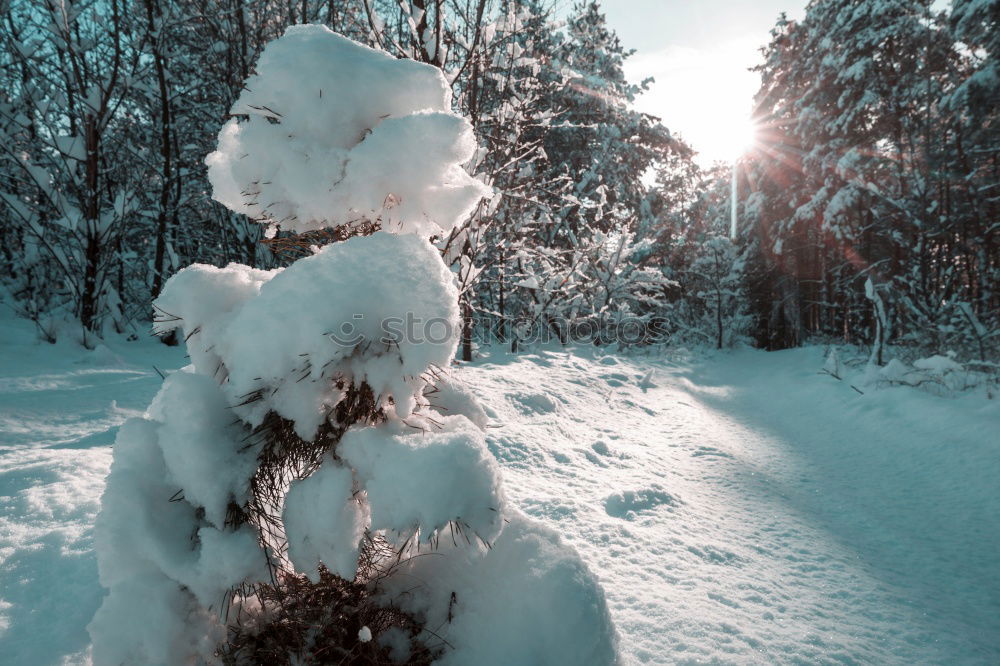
x: 726, y: 524
x: 750, y: 510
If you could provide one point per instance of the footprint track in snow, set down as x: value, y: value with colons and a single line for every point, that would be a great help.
x: 628, y: 504
x: 710, y: 452
x: 531, y: 404
x: 716, y: 555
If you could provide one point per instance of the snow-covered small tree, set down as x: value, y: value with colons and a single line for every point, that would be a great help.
x: 719, y: 269
x: 882, y: 324
x: 259, y: 510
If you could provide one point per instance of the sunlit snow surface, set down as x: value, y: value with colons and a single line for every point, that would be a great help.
x: 60, y: 407
x: 738, y: 508
x: 750, y: 509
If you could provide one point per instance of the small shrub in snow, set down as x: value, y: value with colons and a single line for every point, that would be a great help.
x: 259, y: 510
x: 941, y: 375
x: 832, y: 366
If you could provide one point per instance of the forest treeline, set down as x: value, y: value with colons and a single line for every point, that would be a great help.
x: 867, y: 211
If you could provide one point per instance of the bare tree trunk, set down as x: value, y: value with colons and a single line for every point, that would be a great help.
x: 718, y: 317
x: 92, y: 248
x: 165, y: 153
x: 466, y: 329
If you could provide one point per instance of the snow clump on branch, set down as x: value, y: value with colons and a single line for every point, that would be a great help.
x: 338, y: 133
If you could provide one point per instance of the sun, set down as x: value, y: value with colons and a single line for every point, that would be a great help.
x: 724, y: 137
x: 737, y: 137
x: 721, y: 134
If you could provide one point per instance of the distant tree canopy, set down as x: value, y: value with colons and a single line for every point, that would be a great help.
x: 877, y: 160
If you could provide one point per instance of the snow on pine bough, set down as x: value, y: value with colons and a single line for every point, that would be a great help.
x: 308, y: 489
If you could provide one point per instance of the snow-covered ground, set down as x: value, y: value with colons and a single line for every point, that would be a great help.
x: 60, y: 407
x: 749, y: 509
x: 738, y: 508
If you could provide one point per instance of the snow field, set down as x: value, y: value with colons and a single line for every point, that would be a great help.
x: 743, y: 508
x: 60, y: 407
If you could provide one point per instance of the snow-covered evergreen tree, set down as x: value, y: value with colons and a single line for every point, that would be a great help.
x: 267, y: 504
x: 864, y: 169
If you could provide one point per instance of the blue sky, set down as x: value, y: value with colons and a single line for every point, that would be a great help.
x: 698, y: 51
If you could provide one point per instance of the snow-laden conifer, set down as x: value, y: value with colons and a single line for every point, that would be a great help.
x: 264, y: 506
